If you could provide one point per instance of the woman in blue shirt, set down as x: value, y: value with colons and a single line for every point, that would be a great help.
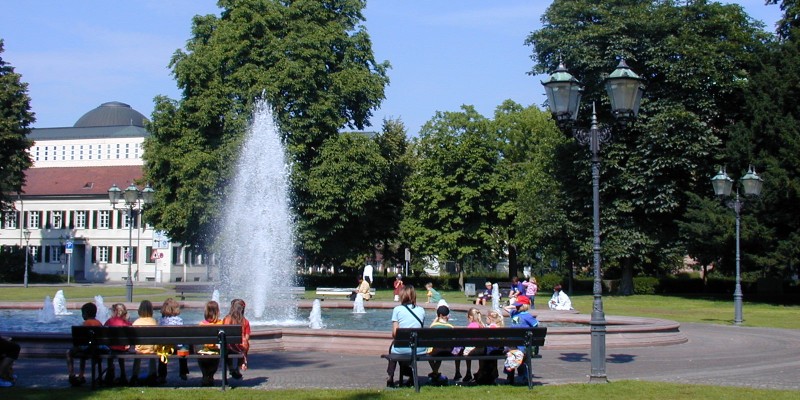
x: 406, y: 315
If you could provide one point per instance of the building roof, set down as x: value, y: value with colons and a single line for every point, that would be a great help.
x: 113, y: 113
x: 95, y: 132
x: 78, y: 180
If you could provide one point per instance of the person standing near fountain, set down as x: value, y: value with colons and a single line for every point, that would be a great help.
x: 9, y: 352
x: 170, y: 316
x: 236, y: 317
x: 145, y: 319
x: 398, y: 286
x: 209, y: 366
x: 119, y: 317
x: 89, y: 314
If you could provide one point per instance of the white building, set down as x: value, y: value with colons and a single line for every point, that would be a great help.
x: 65, y: 199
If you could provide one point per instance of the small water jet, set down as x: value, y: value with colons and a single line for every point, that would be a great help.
x: 215, y: 296
x: 60, y: 304
x: 315, y: 318
x: 496, y: 297
x: 358, y: 305
x: 103, y: 312
x: 47, y: 313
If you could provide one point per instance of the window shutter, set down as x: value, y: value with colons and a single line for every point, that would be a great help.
x: 94, y: 254
x: 16, y: 215
x: 25, y: 219
x: 135, y: 251
x: 94, y: 219
x: 47, y: 255
x: 39, y: 254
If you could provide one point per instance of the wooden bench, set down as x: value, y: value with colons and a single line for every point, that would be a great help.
x: 93, y: 337
x: 417, y: 338
x: 339, y: 292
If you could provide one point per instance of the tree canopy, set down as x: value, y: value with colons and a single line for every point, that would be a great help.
x: 312, y: 61
x: 15, y: 121
x: 695, y: 57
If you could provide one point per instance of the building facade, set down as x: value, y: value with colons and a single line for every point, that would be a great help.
x: 74, y: 230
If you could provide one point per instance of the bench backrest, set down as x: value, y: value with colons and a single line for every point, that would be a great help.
x: 442, y: 337
x: 133, y: 335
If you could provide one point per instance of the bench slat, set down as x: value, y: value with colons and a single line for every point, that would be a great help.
x: 133, y: 335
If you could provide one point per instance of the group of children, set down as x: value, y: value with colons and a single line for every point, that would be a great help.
x: 409, y: 315
x: 170, y: 315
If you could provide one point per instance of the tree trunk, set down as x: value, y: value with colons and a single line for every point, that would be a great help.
x: 512, y: 261
x: 626, y: 284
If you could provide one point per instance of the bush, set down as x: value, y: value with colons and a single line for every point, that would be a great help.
x: 645, y: 285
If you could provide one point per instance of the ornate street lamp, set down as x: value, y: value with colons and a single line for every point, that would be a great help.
x: 27, y: 234
x: 625, y: 89
x: 751, y: 184
x: 133, y: 199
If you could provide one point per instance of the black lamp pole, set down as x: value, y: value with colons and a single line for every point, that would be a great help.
x: 625, y: 90
x: 723, y: 185
x: 133, y: 199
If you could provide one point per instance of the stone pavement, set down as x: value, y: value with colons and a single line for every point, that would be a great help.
x: 714, y: 354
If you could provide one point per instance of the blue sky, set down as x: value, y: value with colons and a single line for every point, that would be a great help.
x: 76, y: 55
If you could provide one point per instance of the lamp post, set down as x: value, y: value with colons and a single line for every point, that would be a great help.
x: 625, y: 90
x: 723, y: 184
x: 133, y: 199
x: 27, y: 234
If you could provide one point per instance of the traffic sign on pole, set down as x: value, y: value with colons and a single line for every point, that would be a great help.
x: 68, y: 247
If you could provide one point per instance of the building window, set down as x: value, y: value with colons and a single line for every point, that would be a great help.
x: 80, y: 219
x: 33, y: 219
x: 126, y: 220
x: 10, y: 220
x: 104, y: 219
x: 55, y: 254
x: 34, y: 251
x: 102, y: 254
x: 57, y: 219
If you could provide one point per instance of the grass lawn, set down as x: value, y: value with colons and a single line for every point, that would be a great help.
x: 78, y: 293
x: 611, y: 391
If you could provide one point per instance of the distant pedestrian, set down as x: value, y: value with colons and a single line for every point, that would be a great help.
x: 398, y: 286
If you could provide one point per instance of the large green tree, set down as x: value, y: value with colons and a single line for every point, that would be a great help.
x: 695, y: 57
x: 769, y: 140
x: 451, y: 191
x: 15, y: 121
x: 311, y: 60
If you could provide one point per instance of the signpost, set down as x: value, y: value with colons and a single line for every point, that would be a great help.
x: 68, y: 246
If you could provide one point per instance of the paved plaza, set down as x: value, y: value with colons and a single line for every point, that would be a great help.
x: 714, y: 354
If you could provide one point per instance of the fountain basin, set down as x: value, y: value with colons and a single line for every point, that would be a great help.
x: 621, y: 332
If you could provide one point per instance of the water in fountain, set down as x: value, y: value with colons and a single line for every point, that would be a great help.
x: 215, y: 296
x: 257, y: 239
x: 60, y: 304
x: 102, y: 311
x: 496, y: 297
x: 47, y: 313
x: 358, y: 305
x: 315, y: 318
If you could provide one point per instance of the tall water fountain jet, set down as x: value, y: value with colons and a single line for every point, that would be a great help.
x: 358, y: 305
x: 60, y: 304
x: 315, y: 318
x: 257, y: 239
x: 47, y: 313
x: 102, y: 311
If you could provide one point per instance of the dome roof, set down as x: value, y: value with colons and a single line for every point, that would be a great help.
x: 112, y: 113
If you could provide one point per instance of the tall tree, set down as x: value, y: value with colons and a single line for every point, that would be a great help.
x: 527, y: 204
x: 452, y: 189
x: 313, y: 62
x: 15, y: 121
x: 769, y: 140
x: 393, y: 145
x: 695, y: 57
x: 348, y: 187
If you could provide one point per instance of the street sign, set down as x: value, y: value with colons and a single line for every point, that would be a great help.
x: 160, y: 240
x: 68, y: 247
